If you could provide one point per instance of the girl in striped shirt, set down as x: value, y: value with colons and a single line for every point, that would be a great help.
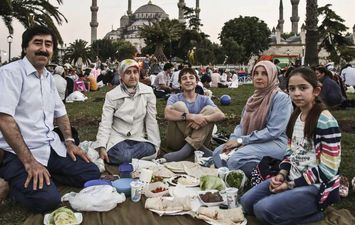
x: 308, y: 180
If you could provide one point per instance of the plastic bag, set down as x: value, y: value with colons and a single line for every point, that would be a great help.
x: 209, y: 182
x: 100, y: 198
x: 89, y: 148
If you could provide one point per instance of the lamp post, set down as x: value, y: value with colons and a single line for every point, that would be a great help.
x: 9, y: 40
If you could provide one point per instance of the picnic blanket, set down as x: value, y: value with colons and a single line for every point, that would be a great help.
x: 129, y: 213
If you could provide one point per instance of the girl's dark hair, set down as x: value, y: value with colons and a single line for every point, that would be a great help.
x: 37, y: 30
x: 313, y: 115
x: 187, y: 70
x: 324, y: 70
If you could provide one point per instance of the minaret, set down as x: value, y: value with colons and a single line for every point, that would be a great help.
x: 129, y: 11
x: 295, y: 18
x: 181, y: 6
x: 94, y: 24
x: 281, y: 20
x: 197, y: 10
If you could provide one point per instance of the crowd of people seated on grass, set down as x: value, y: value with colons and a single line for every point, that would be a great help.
x: 291, y: 125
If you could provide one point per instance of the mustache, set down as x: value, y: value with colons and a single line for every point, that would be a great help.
x: 40, y: 53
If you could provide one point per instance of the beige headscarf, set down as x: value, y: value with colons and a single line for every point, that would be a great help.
x: 257, y: 107
x: 125, y: 64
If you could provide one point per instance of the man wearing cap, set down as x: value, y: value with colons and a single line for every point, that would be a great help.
x: 128, y: 127
x: 35, y: 158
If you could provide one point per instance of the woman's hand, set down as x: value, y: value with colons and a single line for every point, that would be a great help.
x: 103, y: 154
x: 229, y: 145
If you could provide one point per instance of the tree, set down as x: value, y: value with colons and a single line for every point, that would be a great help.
x: 331, y: 32
x: 187, y: 41
x: 125, y: 50
x: 233, y: 50
x: 5, y: 14
x: 194, y: 22
x: 160, y: 34
x: 78, y: 49
x: 250, y: 33
x: 311, y: 54
x: 30, y: 12
x: 103, y: 48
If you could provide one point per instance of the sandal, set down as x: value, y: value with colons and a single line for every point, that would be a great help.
x: 344, y: 186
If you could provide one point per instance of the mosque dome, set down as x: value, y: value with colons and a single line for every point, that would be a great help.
x: 150, y: 8
x: 150, y: 11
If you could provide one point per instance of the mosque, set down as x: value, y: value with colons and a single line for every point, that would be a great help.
x: 295, y: 45
x: 145, y: 14
x: 132, y: 21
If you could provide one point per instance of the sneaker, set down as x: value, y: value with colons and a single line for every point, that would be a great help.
x: 160, y: 160
x: 344, y: 186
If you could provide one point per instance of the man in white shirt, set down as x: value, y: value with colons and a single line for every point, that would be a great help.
x: 60, y: 82
x: 348, y: 75
x: 215, y: 77
x: 174, y: 80
x: 35, y: 158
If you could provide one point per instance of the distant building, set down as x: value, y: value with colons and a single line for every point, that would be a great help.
x: 130, y: 24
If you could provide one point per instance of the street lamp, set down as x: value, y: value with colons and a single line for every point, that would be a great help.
x: 9, y: 40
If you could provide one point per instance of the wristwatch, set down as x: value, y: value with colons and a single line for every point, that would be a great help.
x: 183, y: 116
x: 239, y: 141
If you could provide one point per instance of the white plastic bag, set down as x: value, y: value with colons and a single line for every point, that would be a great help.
x: 89, y: 148
x: 76, y: 96
x: 100, y: 198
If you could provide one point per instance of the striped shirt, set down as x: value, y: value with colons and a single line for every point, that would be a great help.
x: 328, y: 155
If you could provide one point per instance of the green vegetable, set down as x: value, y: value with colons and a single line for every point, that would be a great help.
x: 211, y: 182
x: 62, y: 216
x: 234, y: 179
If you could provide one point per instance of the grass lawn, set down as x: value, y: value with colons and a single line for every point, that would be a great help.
x: 86, y: 116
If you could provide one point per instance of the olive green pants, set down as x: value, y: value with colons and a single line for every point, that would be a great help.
x: 179, y: 133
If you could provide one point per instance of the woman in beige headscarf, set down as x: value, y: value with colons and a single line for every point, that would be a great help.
x: 263, y: 124
x: 128, y: 127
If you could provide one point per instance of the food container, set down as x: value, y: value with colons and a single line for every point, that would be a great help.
x: 125, y: 170
x: 123, y: 185
x: 136, y: 190
x: 198, y: 156
x: 211, y: 202
x: 96, y: 182
x: 236, y: 179
x: 232, y: 196
x: 156, y: 189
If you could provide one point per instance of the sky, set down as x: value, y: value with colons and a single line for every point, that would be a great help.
x: 213, y: 15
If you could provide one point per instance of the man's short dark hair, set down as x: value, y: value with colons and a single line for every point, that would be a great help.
x: 206, y: 79
x: 168, y: 66
x: 187, y: 70
x: 37, y: 30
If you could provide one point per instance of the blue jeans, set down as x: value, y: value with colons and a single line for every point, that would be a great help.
x: 62, y: 170
x: 296, y: 206
x: 125, y: 151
